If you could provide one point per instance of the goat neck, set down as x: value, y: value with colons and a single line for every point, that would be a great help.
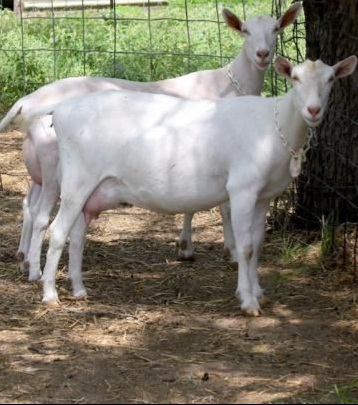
x: 293, y: 127
x: 247, y: 74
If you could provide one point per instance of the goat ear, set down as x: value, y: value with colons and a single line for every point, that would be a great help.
x: 345, y: 67
x: 290, y: 16
x: 283, y: 67
x: 232, y: 20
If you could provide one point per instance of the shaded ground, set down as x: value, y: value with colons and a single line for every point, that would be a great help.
x: 155, y: 330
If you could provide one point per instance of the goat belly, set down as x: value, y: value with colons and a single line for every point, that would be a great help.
x: 112, y: 191
x: 32, y: 162
x: 103, y: 198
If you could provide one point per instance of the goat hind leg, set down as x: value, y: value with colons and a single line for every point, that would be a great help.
x: 41, y: 216
x: 229, y: 239
x: 28, y: 203
x: 186, y: 248
x: 76, y: 246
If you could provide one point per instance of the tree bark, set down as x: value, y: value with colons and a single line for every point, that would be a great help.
x: 328, y: 187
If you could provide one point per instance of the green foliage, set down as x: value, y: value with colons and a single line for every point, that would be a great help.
x: 134, y: 43
x: 292, y: 249
x: 327, y: 236
x: 347, y: 393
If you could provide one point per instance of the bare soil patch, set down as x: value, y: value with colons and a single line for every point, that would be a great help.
x: 155, y: 330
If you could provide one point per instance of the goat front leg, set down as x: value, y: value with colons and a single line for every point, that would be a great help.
x: 186, y: 248
x: 59, y: 231
x: 27, y: 223
x: 76, y: 246
x: 242, y: 217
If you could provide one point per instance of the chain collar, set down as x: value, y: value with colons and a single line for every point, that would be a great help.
x: 235, y: 83
x: 297, y: 156
x: 284, y: 141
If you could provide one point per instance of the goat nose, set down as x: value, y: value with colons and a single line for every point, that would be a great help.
x: 262, y: 53
x: 313, y: 110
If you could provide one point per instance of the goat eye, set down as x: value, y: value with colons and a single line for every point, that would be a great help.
x: 296, y: 79
x: 330, y: 80
x: 276, y: 29
x: 245, y: 31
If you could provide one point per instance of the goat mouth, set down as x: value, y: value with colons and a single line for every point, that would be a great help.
x: 262, y: 65
x: 313, y: 122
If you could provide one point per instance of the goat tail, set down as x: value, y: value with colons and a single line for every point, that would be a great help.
x: 23, y: 117
x: 10, y: 116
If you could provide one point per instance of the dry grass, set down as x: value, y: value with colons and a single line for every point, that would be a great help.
x: 155, y: 330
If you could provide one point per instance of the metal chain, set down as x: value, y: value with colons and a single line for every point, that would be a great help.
x: 301, y: 152
x: 234, y: 81
x: 311, y: 135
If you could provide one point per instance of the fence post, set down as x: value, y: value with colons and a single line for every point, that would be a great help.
x: 18, y: 7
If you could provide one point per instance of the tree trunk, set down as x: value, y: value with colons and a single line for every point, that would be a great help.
x: 328, y: 187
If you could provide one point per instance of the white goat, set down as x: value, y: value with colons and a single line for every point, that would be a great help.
x: 40, y: 149
x: 172, y: 155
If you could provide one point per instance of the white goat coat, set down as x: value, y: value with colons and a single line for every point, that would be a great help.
x: 180, y: 156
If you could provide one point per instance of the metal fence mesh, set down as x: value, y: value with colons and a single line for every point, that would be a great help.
x: 88, y: 41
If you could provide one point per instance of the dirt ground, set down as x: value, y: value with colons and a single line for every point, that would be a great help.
x: 156, y: 330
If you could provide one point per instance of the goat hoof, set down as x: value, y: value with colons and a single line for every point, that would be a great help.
x: 232, y: 258
x: 185, y: 254
x: 249, y: 305
x: 20, y: 256
x: 234, y: 265
x: 50, y: 298
x: 227, y: 253
x: 262, y: 299
x: 23, y: 269
x: 35, y: 275
x: 254, y: 313
x: 81, y: 294
x: 183, y: 258
x: 51, y: 302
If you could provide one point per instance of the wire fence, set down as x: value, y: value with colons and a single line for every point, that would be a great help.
x: 146, y: 40
x: 136, y: 43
